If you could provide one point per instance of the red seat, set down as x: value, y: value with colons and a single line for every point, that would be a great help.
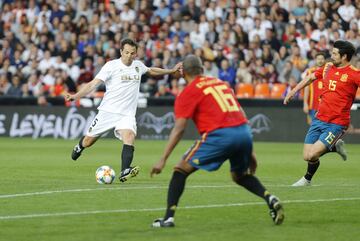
x: 277, y: 91
x: 262, y: 91
x: 245, y: 90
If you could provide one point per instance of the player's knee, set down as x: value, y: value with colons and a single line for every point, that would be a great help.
x: 128, y: 137
x: 306, y: 157
x: 182, y: 171
x: 238, y: 177
x: 184, y: 168
x: 311, y: 156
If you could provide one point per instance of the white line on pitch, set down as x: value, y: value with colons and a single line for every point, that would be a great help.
x: 103, y: 189
x: 42, y: 215
x: 141, y: 188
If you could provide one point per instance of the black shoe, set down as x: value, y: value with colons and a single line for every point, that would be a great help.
x: 276, y: 210
x: 128, y: 173
x: 161, y: 223
x: 76, y: 152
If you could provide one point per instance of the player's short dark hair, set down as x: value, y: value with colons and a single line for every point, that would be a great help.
x: 128, y: 41
x: 345, y: 47
x: 320, y: 53
x: 192, y: 65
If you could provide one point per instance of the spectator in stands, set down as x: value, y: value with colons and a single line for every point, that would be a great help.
x: 303, y: 42
x: 245, y: 21
x: 16, y: 87
x: 175, y: 90
x: 210, y: 69
x: 58, y: 88
x: 213, y: 11
x: 42, y: 30
x: 163, y: 91
x: 127, y: 14
x: 7, y: 69
x: 257, y: 30
x: 271, y: 75
x: 227, y: 73
x: 5, y: 85
x: 197, y: 38
x: 347, y: 12
x: 291, y: 85
x: 243, y: 74
x: 162, y: 11
x: 176, y: 11
x: 296, y: 59
x: 47, y: 62
x: 86, y: 72
x: 149, y: 87
x: 192, y: 10
x: 287, y: 72
x: 321, y: 30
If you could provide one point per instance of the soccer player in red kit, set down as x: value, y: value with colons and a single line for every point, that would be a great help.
x: 341, y: 81
x: 225, y: 134
x: 313, y: 91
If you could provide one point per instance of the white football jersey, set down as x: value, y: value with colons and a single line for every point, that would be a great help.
x: 122, y: 86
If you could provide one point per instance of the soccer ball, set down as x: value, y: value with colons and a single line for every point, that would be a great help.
x: 105, y: 175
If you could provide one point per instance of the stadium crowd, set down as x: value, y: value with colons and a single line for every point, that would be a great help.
x: 49, y: 46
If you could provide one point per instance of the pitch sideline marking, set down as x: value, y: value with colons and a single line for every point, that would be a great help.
x: 41, y: 215
x: 3, y: 196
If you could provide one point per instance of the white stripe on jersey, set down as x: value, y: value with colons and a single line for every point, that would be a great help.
x: 122, y: 86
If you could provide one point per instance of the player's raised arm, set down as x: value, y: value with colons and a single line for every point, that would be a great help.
x: 154, y: 71
x: 305, y: 82
x: 86, y: 89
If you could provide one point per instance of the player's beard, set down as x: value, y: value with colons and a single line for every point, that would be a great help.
x: 336, y: 63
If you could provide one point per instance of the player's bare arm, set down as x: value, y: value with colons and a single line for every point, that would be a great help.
x: 86, y: 89
x: 306, y: 98
x: 305, y: 82
x: 175, y: 136
x: 154, y: 71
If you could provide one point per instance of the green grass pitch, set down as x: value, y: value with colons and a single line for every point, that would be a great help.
x: 44, y: 195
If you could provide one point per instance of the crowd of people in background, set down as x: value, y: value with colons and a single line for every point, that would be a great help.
x: 51, y: 46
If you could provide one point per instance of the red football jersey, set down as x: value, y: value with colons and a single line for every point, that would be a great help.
x: 340, y: 84
x: 315, y: 90
x: 210, y: 103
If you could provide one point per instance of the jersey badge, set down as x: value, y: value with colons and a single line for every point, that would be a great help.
x: 344, y: 78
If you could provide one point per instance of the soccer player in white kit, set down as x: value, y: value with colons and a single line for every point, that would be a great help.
x: 117, y: 109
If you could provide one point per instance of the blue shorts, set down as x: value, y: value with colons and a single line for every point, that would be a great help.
x: 327, y: 133
x: 312, y: 114
x: 233, y: 143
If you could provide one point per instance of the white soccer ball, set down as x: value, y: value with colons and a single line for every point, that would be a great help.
x: 105, y: 175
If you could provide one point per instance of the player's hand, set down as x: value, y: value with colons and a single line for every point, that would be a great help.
x: 253, y: 164
x: 288, y: 97
x: 69, y: 97
x: 157, y: 168
x: 178, y: 68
